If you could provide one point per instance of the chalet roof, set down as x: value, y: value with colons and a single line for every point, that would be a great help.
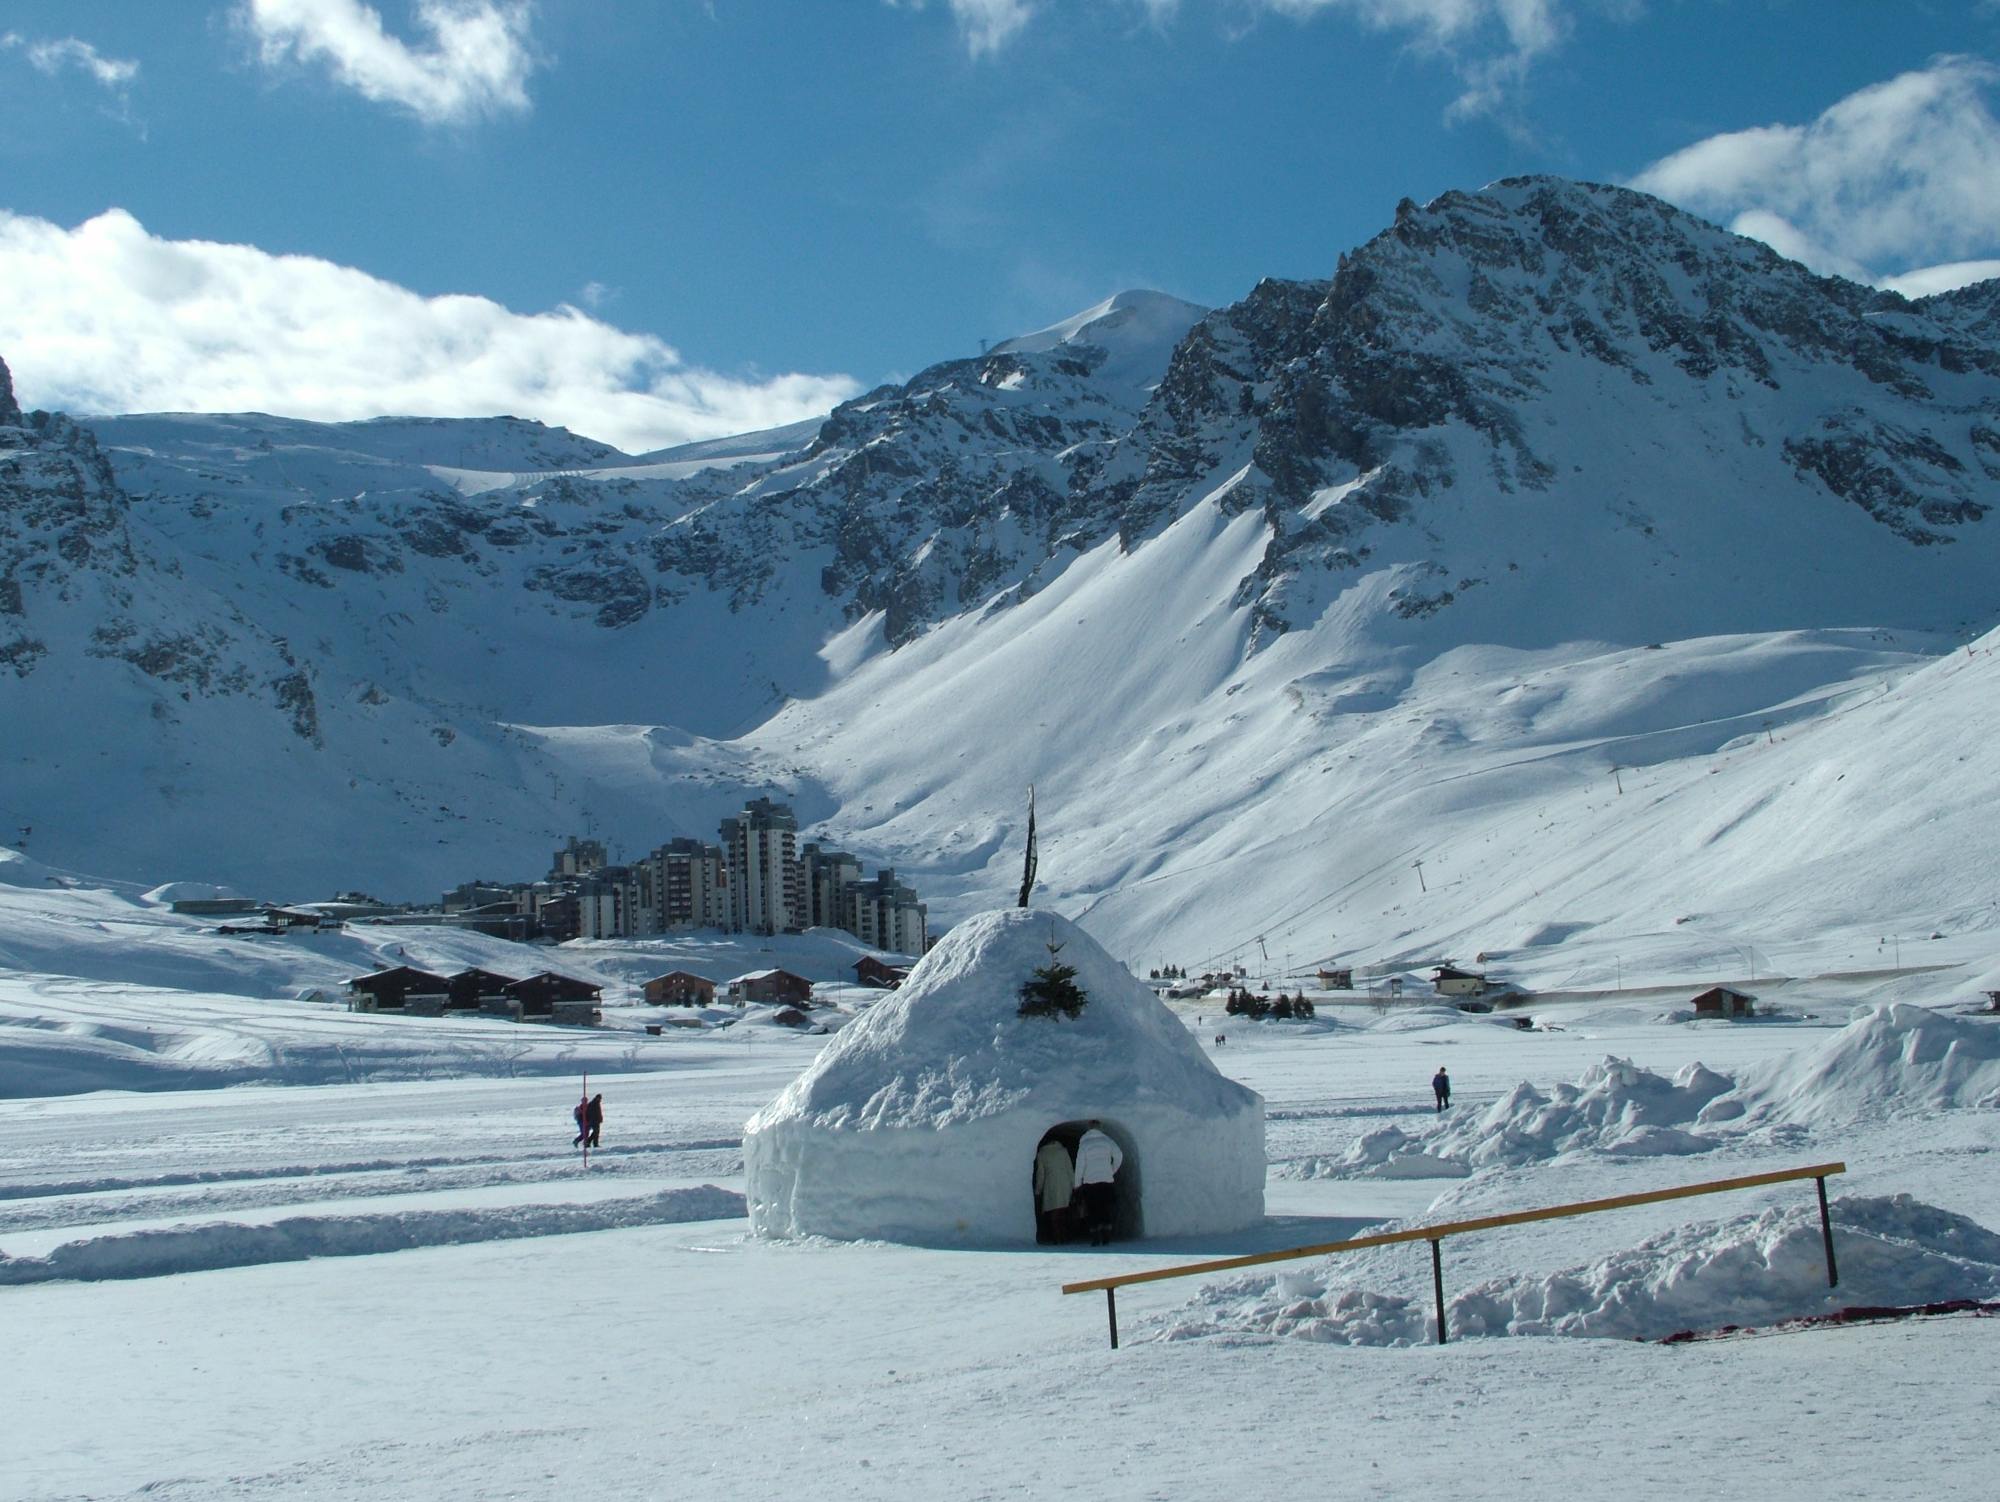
x: 549, y: 980
x: 1452, y: 972
x: 680, y: 975
x: 406, y: 976
x: 1721, y: 991
x: 767, y: 975
x: 474, y: 973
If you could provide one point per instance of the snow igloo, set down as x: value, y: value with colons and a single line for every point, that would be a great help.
x: 920, y: 1120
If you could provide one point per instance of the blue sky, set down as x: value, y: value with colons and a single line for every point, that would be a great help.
x: 659, y: 219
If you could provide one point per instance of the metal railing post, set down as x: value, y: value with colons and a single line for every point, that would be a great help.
x: 1826, y: 1233
x: 1111, y: 1312
x: 1437, y: 1282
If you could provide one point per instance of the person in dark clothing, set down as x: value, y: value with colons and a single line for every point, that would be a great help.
x: 594, y: 1117
x: 580, y: 1114
x: 1441, y: 1088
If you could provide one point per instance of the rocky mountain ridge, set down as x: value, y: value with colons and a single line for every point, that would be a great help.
x: 1542, y: 413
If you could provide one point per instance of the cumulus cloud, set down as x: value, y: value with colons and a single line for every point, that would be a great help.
x: 1897, y: 176
x: 52, y: 57
x: 109, y: 318
x: 476, y: 64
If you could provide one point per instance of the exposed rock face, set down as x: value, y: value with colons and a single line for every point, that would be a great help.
x: 1542, y: 412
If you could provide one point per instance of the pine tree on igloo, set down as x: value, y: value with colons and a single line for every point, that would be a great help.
x: 920, y: 1121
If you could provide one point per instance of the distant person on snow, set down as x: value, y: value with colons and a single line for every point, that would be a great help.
x: 1098, y: 1160
x: 580, y: 1114
x: 1441, y: 1088
x: 1055, y: 1182
x: 594, y: 1117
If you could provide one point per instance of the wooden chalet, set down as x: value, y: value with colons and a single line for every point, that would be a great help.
x: 880, y: 974
x: 471, y: 989
x: 542, y: 996
x: 1452, y: 981
x: 393, y: 989
x: 680, y: 988
x: 1724, y: 1001
x: 774, y: 986
x: 1336, y: 980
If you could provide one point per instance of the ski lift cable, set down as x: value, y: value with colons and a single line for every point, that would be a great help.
x: 1292, y: 918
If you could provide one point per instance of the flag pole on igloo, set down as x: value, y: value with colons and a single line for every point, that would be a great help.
x: 1028, y: 871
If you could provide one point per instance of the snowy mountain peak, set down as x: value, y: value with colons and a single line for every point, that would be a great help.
x: 1516, y: 420
x: 1138, y: 319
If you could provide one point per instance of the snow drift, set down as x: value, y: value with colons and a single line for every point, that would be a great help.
x: 920, y: 1120
x: 200, y: 1248
x: 1751, y: 1270
x: 1891, y: 1060
x: 1894, y: 1059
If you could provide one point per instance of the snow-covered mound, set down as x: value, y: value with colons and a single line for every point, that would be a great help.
x: 199, y: 1248
x: 921, y: 1120
x: 1750, y: 1270
x: 1892, y: 1060
x: 1615, y: 1107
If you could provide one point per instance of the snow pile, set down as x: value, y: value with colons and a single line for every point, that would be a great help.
x: 1893, y: 1060
x: 921, y: 1119
x: 1751, y: 1270
x: 199, y: 1248
x: 1615, y: 1107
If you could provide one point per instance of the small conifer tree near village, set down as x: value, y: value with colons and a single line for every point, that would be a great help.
x: 1052, y: 990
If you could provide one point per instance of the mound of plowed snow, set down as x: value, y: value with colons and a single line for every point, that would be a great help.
x: 1615, y: 1107
x: 202, y: 1247
x: 1894, y: 1060
x: 1751, y: 1270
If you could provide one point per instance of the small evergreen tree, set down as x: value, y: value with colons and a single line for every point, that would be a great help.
x: 1052, y: 990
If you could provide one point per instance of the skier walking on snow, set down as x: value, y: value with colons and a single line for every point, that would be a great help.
x: 593, y: 1116
x: 1441, y: 1088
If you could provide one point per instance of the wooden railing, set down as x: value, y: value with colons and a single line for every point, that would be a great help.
x: 1435, y: 1235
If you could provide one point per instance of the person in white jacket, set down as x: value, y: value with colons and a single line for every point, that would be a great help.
x: 1055, y: 1180
x: 1098, y: 1160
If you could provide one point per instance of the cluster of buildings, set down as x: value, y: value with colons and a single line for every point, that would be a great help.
x: 755, y: 879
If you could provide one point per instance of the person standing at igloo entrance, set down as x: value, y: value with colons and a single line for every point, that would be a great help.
x: 1098, y: 1160
x: 1055, y: 1183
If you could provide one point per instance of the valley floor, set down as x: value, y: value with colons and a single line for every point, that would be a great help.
x: 481, y: 1317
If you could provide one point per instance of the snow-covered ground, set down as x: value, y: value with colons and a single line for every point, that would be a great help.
x: 410, y: 1286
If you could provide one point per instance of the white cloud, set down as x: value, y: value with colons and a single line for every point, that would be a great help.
x: 109, y: 318
x: 986, y: 25
x: 51, y: 57
x: 477, y: 63
x: 1948, y: 277
x: 1898, y: 175
x: 1492, y: 43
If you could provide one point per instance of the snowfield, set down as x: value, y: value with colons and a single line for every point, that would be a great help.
x: 262, y: 1276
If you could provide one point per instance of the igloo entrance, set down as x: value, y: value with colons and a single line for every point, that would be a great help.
x: 1128, y: 1221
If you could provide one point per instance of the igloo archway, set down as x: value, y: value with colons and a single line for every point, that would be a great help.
x: 921, y: 1119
